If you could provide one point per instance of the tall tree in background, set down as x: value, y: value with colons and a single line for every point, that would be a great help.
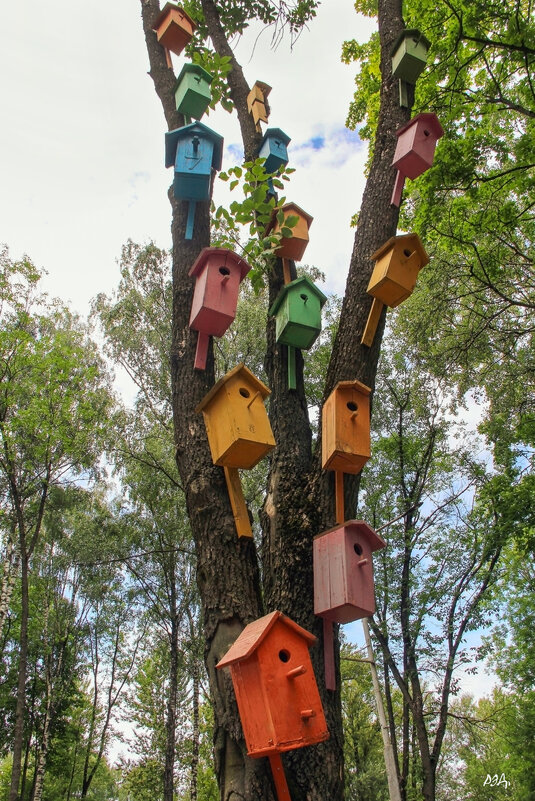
x: 299, y: 496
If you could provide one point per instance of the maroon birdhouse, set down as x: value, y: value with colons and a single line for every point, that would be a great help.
x: 276, y: 691
x: 343, y: 572
x: 415, y: 150
x: 218, y: 273
x: 174, y: 28
x: 346, y: 428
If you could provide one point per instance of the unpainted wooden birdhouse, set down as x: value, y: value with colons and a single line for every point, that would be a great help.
x: 257, y: 104
x: 237, y: 423
x: 397, y: 264
x: 345, y: 437
x: 343, y: 571
x: 297, y: 310
x: 415, y: 149
x: 192, y: 91
x: 409, y: 55
x: 275, y: 687
x: 218, y: 274
x: 174, y: 28
x: 294, y: 246
x: 274, y: 149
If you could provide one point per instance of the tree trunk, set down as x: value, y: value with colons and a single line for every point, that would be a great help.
x: 170, y: 723
x: 196, y: 736
x: 9, y: 574
x: 18, y: 731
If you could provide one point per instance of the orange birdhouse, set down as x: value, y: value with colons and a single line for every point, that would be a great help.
x: 346, y: 428
x: 294, y: 246
x: 276, y: 691
x: 397, y: 264
x: 237, y: 424
x: 174, y: 28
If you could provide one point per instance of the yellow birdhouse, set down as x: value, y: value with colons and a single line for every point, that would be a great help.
x: 397, y: 264
x: 237, y: 424
x: 346, y: 428
x: 257, y: 104
x: 294, y: 246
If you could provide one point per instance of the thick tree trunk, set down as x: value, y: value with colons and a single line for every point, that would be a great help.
x: 9, y: 573
x: 170, y: 723
x: 18, y: 732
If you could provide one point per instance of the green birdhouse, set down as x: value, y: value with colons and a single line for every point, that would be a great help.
x: 192, y: 91
x: 409, y: 55
x: 297, y: 310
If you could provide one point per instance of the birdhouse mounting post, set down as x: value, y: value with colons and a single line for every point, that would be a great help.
x: 328, y: 654
x: 201, y: 351
x: 237, y: 502
x: 168, y: 60
x: 283, y: 793
x: 292, y: 383
x: 403, y: 97
x: 371, y: 324
x: 339, y: 495
x: 398, y: 190
x: 191, y: 220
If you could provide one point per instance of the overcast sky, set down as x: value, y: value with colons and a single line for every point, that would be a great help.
x: 82, y: 137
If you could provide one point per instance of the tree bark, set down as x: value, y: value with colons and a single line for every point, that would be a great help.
x: 18, y: 731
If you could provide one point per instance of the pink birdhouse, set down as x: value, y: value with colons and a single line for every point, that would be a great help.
x: 343, y: 580
x: 218, y: 273
x: 415, y: 150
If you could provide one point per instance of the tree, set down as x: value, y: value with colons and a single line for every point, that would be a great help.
x: 299, y: 496
x: 54, y: 404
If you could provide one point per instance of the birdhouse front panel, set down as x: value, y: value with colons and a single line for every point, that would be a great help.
x: 276, y: 691
x: 298, y: 313
x: 343, y: 572
x: 397, y: 265
x: 174, y: 28
x: 218, y: 273
x: 415, y: 148
x: 237, y: 423
x: 274, y: 149
x: 292, y: 247
x: 346, y: 428
x: 409, y: 55
x: 192, y: 91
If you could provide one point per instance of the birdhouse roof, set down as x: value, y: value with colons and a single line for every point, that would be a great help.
x: 289, y: 207
x: 165, y: 10
x: 399, y: 241
x: 227, y: 256
x: 353, y: 385
x: 197, y: 70
x: 245, y: 375
x: 294, y: 286
x: 173, y: 137
x: 427, y: 118
x: 255, y: 633
x: 266, y: 89
x: 374, y: 540
x: 409, y: 33
x: 274, y: 133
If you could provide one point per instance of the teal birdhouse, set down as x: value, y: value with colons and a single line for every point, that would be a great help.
x: 192, y: 91
x: 409, y: 55
x: 196, y: 152
x: 274, y: 149
x: 297, y: 312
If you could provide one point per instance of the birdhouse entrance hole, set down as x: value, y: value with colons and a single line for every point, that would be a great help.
x: 304, y: 297
x: 284, y: 655
x: 224, y: 271
x: 408, y: 253
x: 352, y: 406
x: 358, y: 549
x: 244, y: 392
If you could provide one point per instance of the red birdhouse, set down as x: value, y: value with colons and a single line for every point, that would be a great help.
x: 276, y: 691
x: 174, y: 28
x: 218, y: 273
x: 415, y: 150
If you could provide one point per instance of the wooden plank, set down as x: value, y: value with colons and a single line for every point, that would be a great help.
x: 328, y: 654
x: 372, y: 323
x: 339, y: 492
x: 237, y: 501
x: 283, y: 792
x: 292, y: 381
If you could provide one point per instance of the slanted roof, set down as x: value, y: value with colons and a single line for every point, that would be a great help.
x: 197, y: 70
x: 409, y: 33
x: 353, y: 385
x: 411, y: 240
x: 226, y: 257
x: 274, y: 133
x: 165, y: 10
x: 173, y: 137
x: 247, y: 376
x: 295, y: 285
x: 429, y: 119
x: 287, y: 209
x: 255, y: 633
x: 374, y: 540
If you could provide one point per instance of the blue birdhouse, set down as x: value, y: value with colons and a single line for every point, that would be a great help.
x: 274, y: 148
x: 196, y: 151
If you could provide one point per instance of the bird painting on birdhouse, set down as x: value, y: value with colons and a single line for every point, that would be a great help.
x: 274, y: 149
x: 239, y: 432
x: 196, y: 153
x: 192, y: 91
x: 293, y: 245
x: 415, y: 150
x: 257, y: 103
x: 276, y: 691
x: 343, y: 580
x: 174, y: 28
x: 218, y: 274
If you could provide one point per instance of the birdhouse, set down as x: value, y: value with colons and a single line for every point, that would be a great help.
x: 274, y: 149
x: 275, y: 687
x: 174, y: 28
x: 192, y: 91
x: 218, y: 273
x: 343, y: 572
x: 257, y: 104
x: 397, y: 264
x: 237, y: 424
x: 294, y: 246
x: 409, y: 55
x: 297, y: 309
x: 415, y: 149
x: 346, y: 428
